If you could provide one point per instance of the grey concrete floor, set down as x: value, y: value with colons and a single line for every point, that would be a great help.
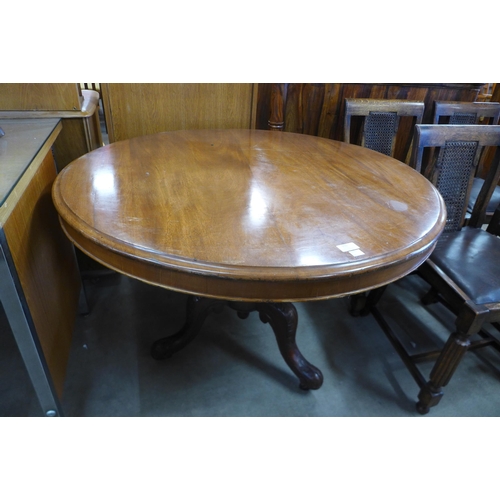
x: 234, y: 368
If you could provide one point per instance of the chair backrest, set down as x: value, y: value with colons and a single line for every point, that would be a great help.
x: 469, y: 113
x: 466, y: 113
x: 381, y: 120
x: 453, y: 172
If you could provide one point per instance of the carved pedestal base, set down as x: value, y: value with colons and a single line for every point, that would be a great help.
x: 281, y: 316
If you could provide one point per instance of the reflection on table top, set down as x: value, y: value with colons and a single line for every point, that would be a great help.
x: 250, y: 205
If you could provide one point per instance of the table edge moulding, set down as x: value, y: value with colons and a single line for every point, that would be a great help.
x: 306, y: 187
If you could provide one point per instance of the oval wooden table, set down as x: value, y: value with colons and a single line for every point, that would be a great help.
x: 255, y: 219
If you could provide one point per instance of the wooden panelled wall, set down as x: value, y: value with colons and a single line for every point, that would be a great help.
x: 135, y: 109
x: 318, y: 108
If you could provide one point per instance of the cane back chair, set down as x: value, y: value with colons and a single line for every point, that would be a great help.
x: 463, y: 269
x: 381, y: 121
x: 379, y: 132
x: 471, y: 113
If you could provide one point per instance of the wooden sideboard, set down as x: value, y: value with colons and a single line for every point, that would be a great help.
x: 39, y: 280
x: 318, y: 108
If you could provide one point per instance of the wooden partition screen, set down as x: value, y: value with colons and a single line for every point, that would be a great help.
x: 135, y: 109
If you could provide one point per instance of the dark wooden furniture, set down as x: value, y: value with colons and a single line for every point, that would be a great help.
x: 379, y: 126
x: 470, y: 113
x: 463, y: 268
x: 39, y: 280
x: 319, y: 108
x: 466, y: 113
x: 253, y: 218
x: 381, y: 119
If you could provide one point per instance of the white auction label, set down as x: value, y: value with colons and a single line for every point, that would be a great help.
x: 348, y: 247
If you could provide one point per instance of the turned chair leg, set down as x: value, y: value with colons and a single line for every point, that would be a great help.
x: 468, y: 323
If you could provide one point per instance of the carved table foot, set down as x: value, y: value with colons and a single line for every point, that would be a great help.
x: 282, y: 318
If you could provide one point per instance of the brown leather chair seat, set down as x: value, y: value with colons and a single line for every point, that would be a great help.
x: 471, y: 258
x: 463, y: 269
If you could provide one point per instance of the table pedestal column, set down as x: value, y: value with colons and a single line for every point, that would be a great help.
x: 282, y: 316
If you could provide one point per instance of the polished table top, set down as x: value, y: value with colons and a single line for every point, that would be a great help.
x: 250, y: 214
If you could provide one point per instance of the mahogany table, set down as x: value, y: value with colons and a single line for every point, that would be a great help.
x: 250, y: 218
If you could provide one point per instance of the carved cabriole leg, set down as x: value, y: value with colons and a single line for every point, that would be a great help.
x: 283, y: 318
x: 198, y: 308
x: 469, y: 322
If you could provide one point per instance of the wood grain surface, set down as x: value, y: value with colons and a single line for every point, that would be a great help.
x: 249, y: 214
x: 90, y: 101
x: 46, y: 267
x: 81, y: 130
x: 40, y: 96
x: 22, y: 149
x: 135, y: 109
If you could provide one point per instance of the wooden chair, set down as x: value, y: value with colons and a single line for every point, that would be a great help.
x: 463, y: 270
x: 470, y: 113
x: 381, y: 121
